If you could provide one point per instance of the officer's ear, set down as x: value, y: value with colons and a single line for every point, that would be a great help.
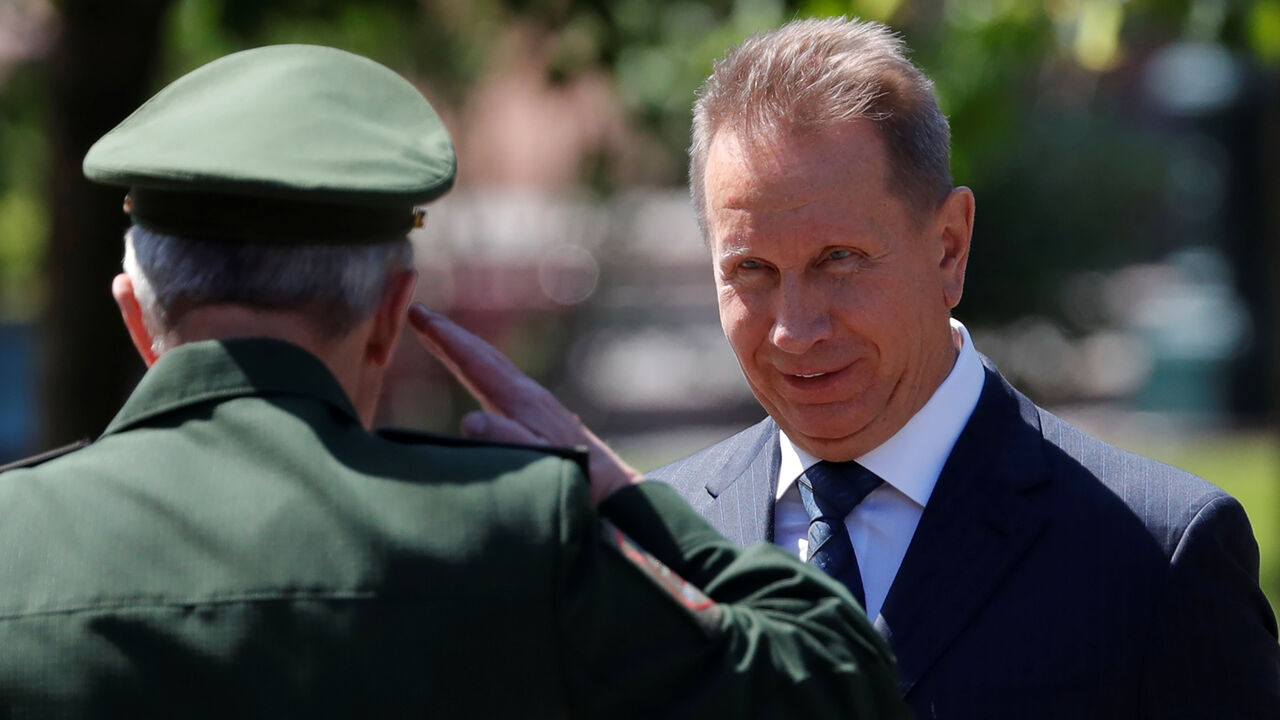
x: 131, y: 312
x: 388, y: 319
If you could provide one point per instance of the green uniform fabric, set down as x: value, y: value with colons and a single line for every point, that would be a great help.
x: 236, y: 544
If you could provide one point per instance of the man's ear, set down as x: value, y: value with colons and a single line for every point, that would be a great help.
x: 955, y: 230
x: 131, y: 312
x: 389, y: 318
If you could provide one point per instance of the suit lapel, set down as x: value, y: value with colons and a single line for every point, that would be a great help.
x: 742, y: 491
x: 980, y: 520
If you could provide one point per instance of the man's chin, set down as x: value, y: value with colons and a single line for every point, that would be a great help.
x: 836, y: 444
x: 834, y: 431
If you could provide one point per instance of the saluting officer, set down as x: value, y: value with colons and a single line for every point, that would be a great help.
x: 238, y: 542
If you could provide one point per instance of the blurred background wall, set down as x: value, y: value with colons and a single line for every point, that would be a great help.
x: 1124, y: 154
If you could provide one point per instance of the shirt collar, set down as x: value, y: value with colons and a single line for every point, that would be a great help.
x: 220, y: 369
x: 912, y: 459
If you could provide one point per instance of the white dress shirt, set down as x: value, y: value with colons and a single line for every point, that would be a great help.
x: 881, y: 526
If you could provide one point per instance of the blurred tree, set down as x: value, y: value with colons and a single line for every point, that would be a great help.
x: 100, y: 70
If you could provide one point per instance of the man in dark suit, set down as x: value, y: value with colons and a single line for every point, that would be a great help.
x: 1018, y: 567
x: 239, y: 543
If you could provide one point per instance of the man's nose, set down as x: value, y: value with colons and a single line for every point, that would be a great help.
x: 801, y: 317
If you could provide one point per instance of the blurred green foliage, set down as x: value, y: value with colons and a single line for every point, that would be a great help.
x: 23, y: 226
x: 1039, y: 94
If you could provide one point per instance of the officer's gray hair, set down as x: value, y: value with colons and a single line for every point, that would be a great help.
x: 337, y: 286
x: 813, y: 74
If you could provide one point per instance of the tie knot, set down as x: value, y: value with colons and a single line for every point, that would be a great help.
x: 837, y: 487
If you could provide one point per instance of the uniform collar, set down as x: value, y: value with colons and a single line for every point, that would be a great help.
x: 912, y: 459
x: 220, y: 369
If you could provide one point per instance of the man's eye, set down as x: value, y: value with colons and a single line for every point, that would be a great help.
x: 751, y: 265
x: 840, y: 254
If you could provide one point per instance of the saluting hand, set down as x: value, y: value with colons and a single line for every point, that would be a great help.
x: 515, y: 408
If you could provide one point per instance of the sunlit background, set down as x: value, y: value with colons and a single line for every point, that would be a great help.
x: 1125, y: 156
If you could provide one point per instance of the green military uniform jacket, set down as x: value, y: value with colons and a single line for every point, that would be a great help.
x: 236, y: 544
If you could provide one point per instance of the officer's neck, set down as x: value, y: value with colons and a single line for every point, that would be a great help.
x: 344, y: 355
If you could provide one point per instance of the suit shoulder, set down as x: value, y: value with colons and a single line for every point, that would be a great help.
x: 725, y: 458
x: 44, y: 457
x: 1156, y: 491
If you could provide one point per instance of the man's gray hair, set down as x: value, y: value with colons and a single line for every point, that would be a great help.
x: 338, y: 286
x: 809, y: 75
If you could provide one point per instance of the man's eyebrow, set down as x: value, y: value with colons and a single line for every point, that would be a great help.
x: 734, y: 248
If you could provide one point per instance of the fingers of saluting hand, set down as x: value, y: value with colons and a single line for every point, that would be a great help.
x: 495, y: 382
x: 517, y: 409
x: 488, y: 426
x: 462, y: 354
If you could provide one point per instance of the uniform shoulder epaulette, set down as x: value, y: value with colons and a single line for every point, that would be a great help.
x: 45, y: 456
x: 705, y: 611
x: 420, y: 437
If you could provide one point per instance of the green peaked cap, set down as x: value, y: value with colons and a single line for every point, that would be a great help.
x: 288, y: 144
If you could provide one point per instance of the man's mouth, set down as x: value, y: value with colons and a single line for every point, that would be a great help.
x: 810, y: 375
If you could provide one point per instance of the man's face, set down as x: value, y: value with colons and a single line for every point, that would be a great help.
x: 834, y: 297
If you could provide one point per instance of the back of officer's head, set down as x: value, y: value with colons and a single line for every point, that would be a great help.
x: 278, y: 179
x: 333, y: 287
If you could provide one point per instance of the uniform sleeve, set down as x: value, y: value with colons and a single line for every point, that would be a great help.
x: 753, y: 634
x: 1215, y: 652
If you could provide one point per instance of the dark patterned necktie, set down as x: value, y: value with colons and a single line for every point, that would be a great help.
x: 830, y: 491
